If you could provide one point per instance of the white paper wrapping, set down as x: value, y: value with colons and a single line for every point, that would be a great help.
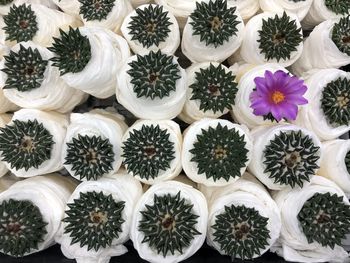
x: 169, y: 46
x: 248, y: 192
x: 4, y: 119
x: 320, y: 51
x: 241, y: 110
x: 71, y: 7
x: 108, y: 53
x: 292, y: 244
x: 56, y: 124
x: 53, y: 94
x: 262, y: 136
x: 5, y: 8
x: 122, y: 187
x: 191, y: 111
x: 50, y: 194
x: 6, y: 181
x: 299, y: 8
x: 200, y: 208
x: 190, y: 137
x: 318, y: 13
x: 106, y: 125
x: 146, y: 108
x: 333, y: 164
x: 311, y: 115
x: 137, y: 3
x: 49, y: 21
x: 250, y: 51
x: 175, y: 137
x: 197, y: 51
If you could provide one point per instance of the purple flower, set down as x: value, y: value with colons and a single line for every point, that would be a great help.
x: 278, y: 94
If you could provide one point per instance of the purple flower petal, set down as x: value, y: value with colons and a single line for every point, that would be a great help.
x: 261, y: 108
x: 296, y: 99
x: 276, y: 112
x: 289, y: 111
x: 281, y: 79
x: 269, y: 79
x: 254, y: 96
x: 261, y: 86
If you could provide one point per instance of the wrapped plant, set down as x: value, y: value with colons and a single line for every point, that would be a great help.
x: 216, y: 152
x: 97, y: 219
x: 152, y: 86
x: 267, y: 94
x: 284, y: 156
x: 322, y: 10
x: 152, y: 150
x: 108, y: 14
x: 6, y: 4
x: 169, y: 222
x: 34, y: 22
x: 328, y: 111
x: 31, y: 211
x: 335, y: 163
x: 314, y: 221
x: 4, y: 119
x: 151, y: 27
x: 298, y: 7
x: 89, y: 59
x: 92, y: 145
x: 244, y: 221
x: 326, y: 47
x: 272, y: 38
x: 29, y: 80
x: 31, y: 143
x: 213, y: 32
x: 211, y: 91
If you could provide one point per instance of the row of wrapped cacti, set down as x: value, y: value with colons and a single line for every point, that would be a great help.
x: 171, y: 220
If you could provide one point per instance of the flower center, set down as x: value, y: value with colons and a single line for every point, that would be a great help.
x: 153, y: 77
x: 343, y: 101
x: 279, y: 38
x: 13, y: 228
x: 23, y: 24
x: 277, y: 97
x: 151, y: 28
x: 220, y: 152
x: 168, y: 222
x: 98, y: 217
x: 323, y: 218
x: 91, y: 156
x: 29, y: 70
x: 216, y: 23
x: 346, y: 40
x: 292, y: 159
x: 27, y: 144
x: 97, y: 5
x: 214, y: 90
x: 241, y: 231
x: 150, y: 151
